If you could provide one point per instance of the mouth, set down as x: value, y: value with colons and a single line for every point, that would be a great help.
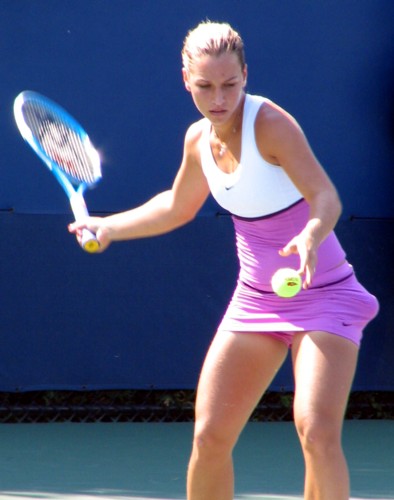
x: 217, y: 112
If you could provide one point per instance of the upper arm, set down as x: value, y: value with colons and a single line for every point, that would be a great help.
x: 190, y: 188
x: 281, y: 141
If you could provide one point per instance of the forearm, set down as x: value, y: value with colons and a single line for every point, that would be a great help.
x: 325, y: 210
x: 155, y: 217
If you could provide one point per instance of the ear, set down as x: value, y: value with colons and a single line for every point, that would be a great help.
x: 245, y: 75
x: 185, y: 75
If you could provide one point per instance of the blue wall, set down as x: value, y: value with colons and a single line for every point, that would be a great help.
x: 142, y: 314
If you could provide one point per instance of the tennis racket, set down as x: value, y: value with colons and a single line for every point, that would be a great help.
x: 65, y: 148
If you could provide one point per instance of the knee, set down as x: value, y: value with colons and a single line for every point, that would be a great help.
x: 211, y: 443
x: 319, y: 436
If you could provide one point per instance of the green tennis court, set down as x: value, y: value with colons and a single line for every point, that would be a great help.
x: 147, y: 461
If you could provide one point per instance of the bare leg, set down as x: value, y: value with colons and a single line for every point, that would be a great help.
x: 237, y: 370
x: 324, y: 366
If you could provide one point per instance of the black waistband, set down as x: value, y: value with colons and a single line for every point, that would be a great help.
x: 324, y: 285
x: 239, y: 217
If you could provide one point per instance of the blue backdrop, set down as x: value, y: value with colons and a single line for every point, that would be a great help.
x: 142, y: 314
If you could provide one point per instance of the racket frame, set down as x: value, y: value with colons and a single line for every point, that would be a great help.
x: 74, y: 188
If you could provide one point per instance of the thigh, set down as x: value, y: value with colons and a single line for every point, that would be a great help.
x: 237, y: 370
x: 324, y: 367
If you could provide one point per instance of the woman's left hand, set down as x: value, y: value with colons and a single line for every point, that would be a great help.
x: 308, y: 256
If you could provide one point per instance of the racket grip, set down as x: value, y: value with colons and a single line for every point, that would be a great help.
x: 89, y: 241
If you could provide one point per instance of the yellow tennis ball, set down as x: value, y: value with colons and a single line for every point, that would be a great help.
x: 286, y: 282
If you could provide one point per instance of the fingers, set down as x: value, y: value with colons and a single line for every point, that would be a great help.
x: 308, y: 273
x: 289, y: 249
x: 308, y: 259
x: 74, y: 227
x: 93, y: 224
x: 307, y: 269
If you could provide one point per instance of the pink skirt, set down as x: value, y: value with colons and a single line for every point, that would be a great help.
x: 343, y: 309
x: 335, y: 303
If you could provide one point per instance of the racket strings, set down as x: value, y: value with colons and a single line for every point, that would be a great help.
x: 60, y: 142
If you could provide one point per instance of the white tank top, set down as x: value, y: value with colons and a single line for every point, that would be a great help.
x: 256, y: 188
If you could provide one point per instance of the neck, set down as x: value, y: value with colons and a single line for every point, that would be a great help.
x: 224, y: 133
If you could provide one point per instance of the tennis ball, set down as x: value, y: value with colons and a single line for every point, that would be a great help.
x: 286, y: 282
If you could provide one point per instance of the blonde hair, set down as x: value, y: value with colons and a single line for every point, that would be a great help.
x: 213, y: 39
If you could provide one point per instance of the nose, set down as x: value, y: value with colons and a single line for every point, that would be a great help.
x: 218, y: 97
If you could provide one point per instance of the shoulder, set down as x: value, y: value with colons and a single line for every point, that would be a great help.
x: 271, y: 116
x: 193, y: 137
x: 277, y: 130
x: 195, y: 131
x: 275, y: 124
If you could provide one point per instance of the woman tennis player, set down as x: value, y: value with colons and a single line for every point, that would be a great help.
x: 255, y: 160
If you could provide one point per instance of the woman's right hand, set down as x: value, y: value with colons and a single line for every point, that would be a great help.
x: 96, y: 226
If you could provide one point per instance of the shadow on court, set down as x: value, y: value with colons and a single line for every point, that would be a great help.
x: 136, y: 461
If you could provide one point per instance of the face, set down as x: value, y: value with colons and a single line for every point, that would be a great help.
x: 216, y: 84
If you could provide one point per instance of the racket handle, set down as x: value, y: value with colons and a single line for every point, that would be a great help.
x: 89, y: 241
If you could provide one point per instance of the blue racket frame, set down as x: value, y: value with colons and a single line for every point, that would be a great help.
x: 73, y: 187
